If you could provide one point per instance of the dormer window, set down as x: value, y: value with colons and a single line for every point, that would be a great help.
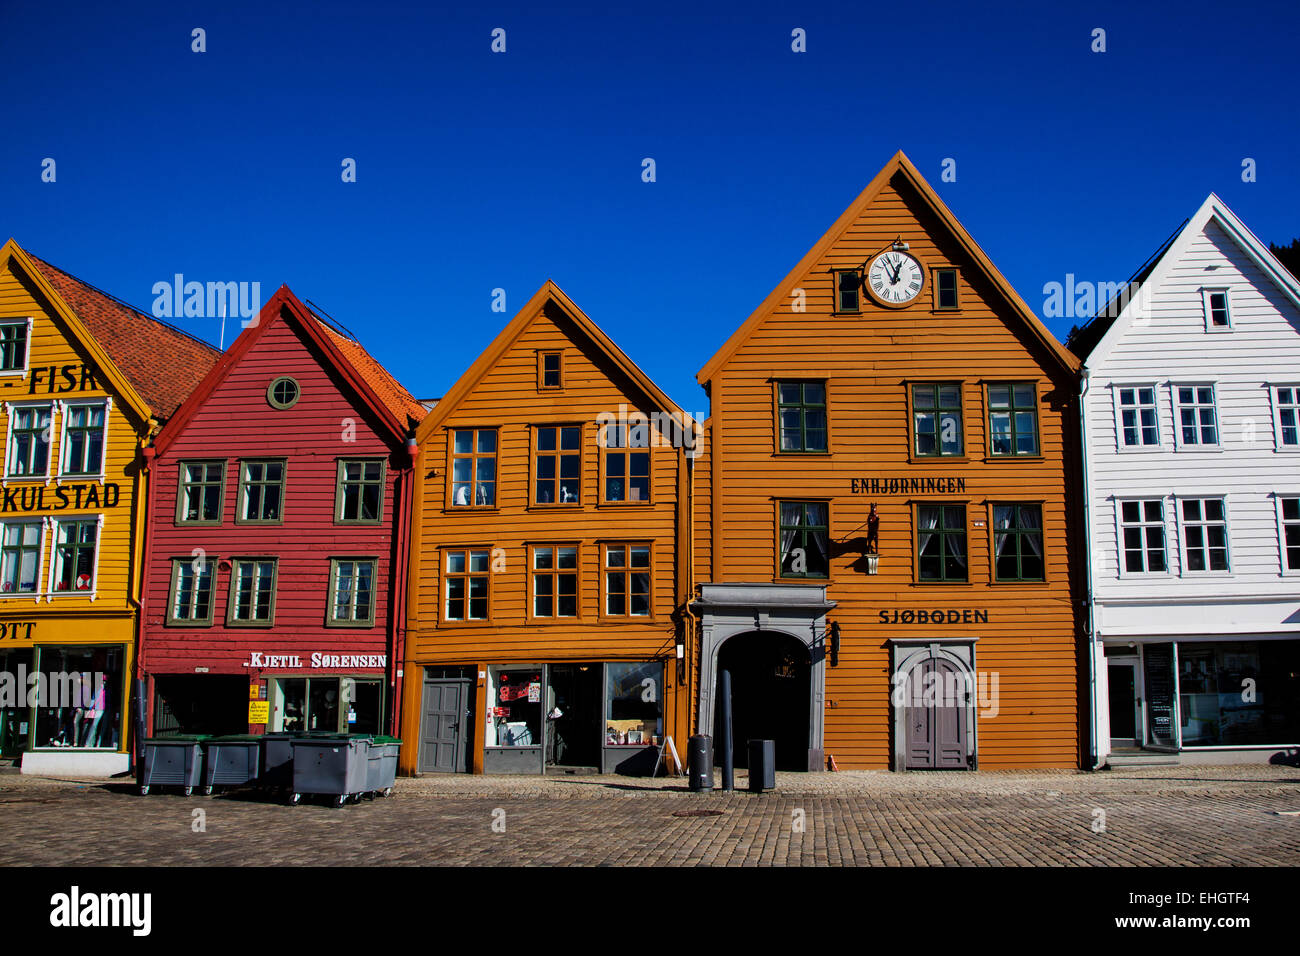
x: 1217, y: 316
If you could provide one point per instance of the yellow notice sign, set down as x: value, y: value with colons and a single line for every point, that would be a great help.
x: 259, y: 711
x: 253, y: 690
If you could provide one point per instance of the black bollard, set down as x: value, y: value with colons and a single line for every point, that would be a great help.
x: 728, y: 755
x: 137, y: 749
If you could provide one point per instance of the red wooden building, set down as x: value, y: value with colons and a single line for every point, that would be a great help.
x: 275, y: 559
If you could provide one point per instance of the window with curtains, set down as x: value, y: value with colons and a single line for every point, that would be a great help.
x: 557, y: 465
x: 804, y: 539
x: 1013, y: 419
x: 1018, y: 542
x: 936, y: 419
x: 941, y: 543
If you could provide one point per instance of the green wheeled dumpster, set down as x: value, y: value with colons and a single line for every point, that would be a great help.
x: 172, y: 762
x: 231, y: 761
x: 382, y: 765
x: 334, y: 766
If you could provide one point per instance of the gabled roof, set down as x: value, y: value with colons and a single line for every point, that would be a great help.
x: 118, y: 381
x: 1213, y: 209
x: 899, y: 165
x: 391, y: 403
x: 549, y: 292
x: 162, y: 362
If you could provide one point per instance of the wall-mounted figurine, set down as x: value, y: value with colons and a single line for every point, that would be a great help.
x: 873, y: 531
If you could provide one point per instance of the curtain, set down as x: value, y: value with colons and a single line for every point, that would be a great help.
x: 791, y: 515
x: 927, y: 520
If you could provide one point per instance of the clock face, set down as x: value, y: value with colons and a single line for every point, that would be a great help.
x: 895, y: 277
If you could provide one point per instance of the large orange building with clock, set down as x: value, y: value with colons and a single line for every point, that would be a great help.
x: 884, y: 528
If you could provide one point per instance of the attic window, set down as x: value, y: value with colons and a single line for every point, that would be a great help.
x: 550, y: 370
x: 847, y: 284
x: 283, y: 393
x: 1217, y: 316
x: 945, y: 289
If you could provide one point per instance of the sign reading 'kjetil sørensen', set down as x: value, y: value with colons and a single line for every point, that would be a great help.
x: 316, y: 659
x: 902, y: 486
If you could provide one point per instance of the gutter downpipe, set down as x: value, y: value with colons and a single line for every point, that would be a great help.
x: 1093, y: 743
x: 399, y: 577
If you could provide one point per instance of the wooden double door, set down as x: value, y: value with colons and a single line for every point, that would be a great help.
x: 937, y: 716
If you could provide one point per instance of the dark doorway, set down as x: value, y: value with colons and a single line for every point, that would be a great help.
x: 771, y: 684
x: 1121, y: 677
x: 573, y: 715
x: 200, y: 704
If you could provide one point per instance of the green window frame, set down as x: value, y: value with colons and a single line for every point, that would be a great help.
x: 359, y: 491
x: 848, y: 291
x: 262, y: 488
x: 76, y: 544
x: 283, y: 392
x: 934, y: 406
x: 352, y: 592
x: 801, y: 417
x: 1013, y: 419
x: 201, y: 492
x: 13, y: 346
x: 803, y: 539
x: 29, y: 441
x: 473, y: 470
x: 1018, y: 542
x: 945, y: 290
x: 191, y: 602
x: 20, y: 557
x: 252, y: 592
x: 941, y: 552
x: 85, y: 425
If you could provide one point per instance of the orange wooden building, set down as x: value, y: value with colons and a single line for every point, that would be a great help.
x: 893, y: 371
x: 548, y: 559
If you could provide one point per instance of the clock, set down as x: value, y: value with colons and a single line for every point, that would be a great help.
x: 895, y: 278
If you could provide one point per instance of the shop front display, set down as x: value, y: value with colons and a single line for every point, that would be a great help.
x: 62, y: 698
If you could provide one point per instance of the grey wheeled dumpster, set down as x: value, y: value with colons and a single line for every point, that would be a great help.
x: 277, y: 761
x: 172, y: 762
x: 335, y: 766
x: 382, y: 766
x: 231, y: 761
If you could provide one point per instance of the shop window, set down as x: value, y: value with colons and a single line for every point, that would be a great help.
x: 261, y: 492
x: 557, y: 465
x: 29, y: 441
x: 1197, y: 416
x: 466, y: 585
x: 634, y: 704
x: 1142, y: 536
x: 627, y: 463
x: 202, y: 492
x: 1215, y: 711
x: 20, y: 556
x: 1217, y: 316
x: 74, y: 555
x: 359, y: 493
x: 515, y: 702
x: 352, y: 591
x: 941, y: 543
x: 252, y: 591
x: 330, y: 704
x: 13, y: 345
x: 945, y: 290
x: 555, y: 581
x: 1013, y: 420
x: 848, y: 290
x: 936, y: 420
x: 1205, y: 534
x: 474, y: 468
x: 550, y: 370
x: 83, y: 438
x: 1138, y: 421
x: 191, y: 592
x: 1286, y: 416
x: 801, y: 416
x: 1018, y: 542
x: 82, y: 697
x: 1289, y: 512
x: 803, y: 538
x: 627, y: 580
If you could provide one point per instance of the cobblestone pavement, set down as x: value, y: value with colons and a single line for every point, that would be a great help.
x: 1244, y: 815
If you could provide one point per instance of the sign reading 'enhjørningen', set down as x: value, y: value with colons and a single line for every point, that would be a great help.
x: 316, y: 660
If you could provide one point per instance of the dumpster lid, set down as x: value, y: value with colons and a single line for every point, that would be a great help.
x: 178, y: 739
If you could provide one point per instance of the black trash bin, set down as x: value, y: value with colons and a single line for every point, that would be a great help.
x: 172, y: 762
x: 762, y: 765
x: 699, y: 762
x: 336, y: 766
x: 231, y: 761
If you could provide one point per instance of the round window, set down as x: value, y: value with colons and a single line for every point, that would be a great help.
x: 283, y: 392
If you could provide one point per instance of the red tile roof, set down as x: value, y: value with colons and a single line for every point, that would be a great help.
x: 389, y: 391
x: 160, y: 361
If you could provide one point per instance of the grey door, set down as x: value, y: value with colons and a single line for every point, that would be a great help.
x: 443, y: 726
x: 937, y: 720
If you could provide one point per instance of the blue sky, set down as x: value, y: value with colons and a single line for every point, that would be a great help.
x: 478, y: 170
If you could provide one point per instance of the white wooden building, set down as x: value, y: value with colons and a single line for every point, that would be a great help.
x: 1191, y: 430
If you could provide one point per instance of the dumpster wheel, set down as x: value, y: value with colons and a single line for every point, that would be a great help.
x: 295, y: 799
x: 207, y: 791
x: 144, y: 791
x: 387, y: 791
x: 341, y: 799
x: 188, y: 791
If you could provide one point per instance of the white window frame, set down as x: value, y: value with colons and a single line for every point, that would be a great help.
x: 1206, y: 293
x: 1277, y: 416
x: 1281, y: 533
x: 27, y: 351
x: 1183, y: 565
x: 40, y: 559
x: 57, y: 523
x: 1179, y: 444
x: 1120, y: 564
x: 10, y: 407
x: 1116, y: 388
x: 107, y: 402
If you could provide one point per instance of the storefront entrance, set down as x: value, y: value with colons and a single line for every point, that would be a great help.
x: 1122, y: 675
x: 15, y: 715
x: 200, y: 704
x: 770, y: 688
x: 573, y: 716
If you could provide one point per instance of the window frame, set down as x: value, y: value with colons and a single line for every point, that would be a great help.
x: 56, y: 526
x: 1277, y: 407
x: 994, y: 579
x: 233, y: 590
x: 941, y: 503
x: 1207, y: 297
x: 627, y: 615
x: 778, y: 574
x: 541, y: 370
x: 1278, y: 499
x: 554, y: 574
x: 1117, y: 388
x: 340, y: 468
x: 171, y: 620
x: 1182, y: 524
x: 474, y: 455
x: 36, y: 593
x: 276, y: 403
x: 444, y: 591
x: 913, y: 456
x: 1121, y: 566
x: 604, y: 450
x: 179, y: 517
x: 937, y: 292
x: 50, y: 447
x: 1179, y: 444
x: 65, y: 407
x: 1011, y: 384
x: 22, y: 371
x: 330, y: 603
x: 243, y: 484
x: 777, y: 405
x: 836, y: 301
x: 533, y: 454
